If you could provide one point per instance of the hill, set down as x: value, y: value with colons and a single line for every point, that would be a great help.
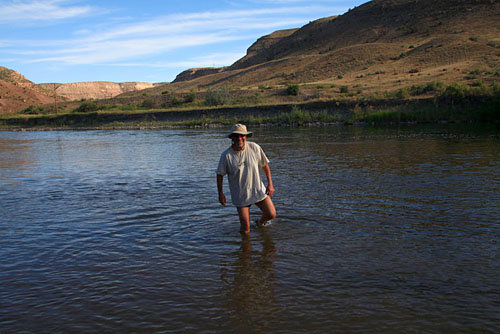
x: 17, y: 92
x: 381, y: 45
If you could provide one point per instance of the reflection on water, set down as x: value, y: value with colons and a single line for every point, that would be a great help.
x: 380, y: 230
x: 249, y: 281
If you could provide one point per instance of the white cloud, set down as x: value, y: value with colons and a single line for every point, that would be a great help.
x: 39, y: 10
x: 209, y: 60
x: 161, y: 35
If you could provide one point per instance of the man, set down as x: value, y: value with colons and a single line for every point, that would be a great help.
x: 241, y: 163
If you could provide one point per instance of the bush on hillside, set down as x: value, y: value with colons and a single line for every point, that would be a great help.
x: 33, y: 110
x: 293, y: 90
x: 218, y: 96
x: 87, y: 107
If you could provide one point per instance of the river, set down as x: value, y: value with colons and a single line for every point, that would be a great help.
x: 379, y: 230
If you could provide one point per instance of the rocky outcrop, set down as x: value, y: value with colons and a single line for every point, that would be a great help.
x: 194, y: 73
x: 257, y: 52
x: 95, y: 90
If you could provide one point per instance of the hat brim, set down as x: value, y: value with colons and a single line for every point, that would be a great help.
x: 248, y: 134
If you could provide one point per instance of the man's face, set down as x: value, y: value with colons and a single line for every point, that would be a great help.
x: 239, y: 141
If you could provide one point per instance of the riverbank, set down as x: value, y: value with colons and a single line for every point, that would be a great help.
x: 476, y: 109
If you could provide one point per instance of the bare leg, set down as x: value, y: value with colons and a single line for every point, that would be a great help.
x: 268, y: 210
x: 244, y: 214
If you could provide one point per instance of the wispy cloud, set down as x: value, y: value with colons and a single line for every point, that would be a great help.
x: 125, y: 44
x: 160, y: 35
x: 39, y: 10
x: 209, y: 60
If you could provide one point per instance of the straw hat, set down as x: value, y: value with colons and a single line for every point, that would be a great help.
x: 239, y: 129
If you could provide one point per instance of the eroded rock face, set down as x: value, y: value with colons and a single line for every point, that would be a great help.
x: 194, y: 73
x: 95, y: 90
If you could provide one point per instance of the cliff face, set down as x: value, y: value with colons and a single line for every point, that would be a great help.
x: 95, y: 90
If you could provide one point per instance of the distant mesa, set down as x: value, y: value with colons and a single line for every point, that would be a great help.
x: 95, y: 90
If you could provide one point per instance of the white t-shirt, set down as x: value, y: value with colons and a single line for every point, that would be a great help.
x: 242, y: 169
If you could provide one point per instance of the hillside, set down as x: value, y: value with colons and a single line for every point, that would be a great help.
x: 17, y: 92
x: 381, y: 45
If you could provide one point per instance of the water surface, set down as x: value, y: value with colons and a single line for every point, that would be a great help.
x: 379, y: 231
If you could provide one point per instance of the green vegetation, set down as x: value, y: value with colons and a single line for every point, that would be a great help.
x: 293, y: 90
x: 87, y: 107
x: 33, y: 110
x: 218, y: 96
x: 430, y: 102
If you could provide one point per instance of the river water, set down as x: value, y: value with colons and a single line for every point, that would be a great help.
x: 379, y: 230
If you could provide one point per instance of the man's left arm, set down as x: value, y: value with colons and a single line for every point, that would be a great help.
x: 267, y: 173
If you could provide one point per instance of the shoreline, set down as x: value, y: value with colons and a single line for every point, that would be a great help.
x: 483, y: 109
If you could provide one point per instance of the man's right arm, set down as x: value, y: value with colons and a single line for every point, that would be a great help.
x: 222, y: 197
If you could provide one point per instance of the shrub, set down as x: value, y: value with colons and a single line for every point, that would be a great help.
x: 87, y: 107
x: 189, y: 97
x: 217, y: 96
x: 456, y: 92
x: 496, y: 89
x: 292, y: 90
x: 435, y: 86
x: 402, y: 93
x: 33, y: 110
x: 344, y: 89
x: 148, y: 104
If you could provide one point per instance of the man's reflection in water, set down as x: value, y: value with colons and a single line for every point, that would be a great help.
x: 248, y: 281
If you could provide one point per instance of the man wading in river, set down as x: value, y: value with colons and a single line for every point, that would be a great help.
x: 241, y: 163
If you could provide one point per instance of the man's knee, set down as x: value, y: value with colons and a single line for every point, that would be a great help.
x: 272, y: 212
x: 269, y: 208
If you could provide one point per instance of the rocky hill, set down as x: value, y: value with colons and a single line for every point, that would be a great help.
x: 383, y: 44
x: 17, y: 92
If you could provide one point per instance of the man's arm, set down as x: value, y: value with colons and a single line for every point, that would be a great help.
x: 267, y: 173
x: 222, y: 197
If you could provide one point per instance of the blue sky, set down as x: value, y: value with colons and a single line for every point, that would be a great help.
x: 152, y: 41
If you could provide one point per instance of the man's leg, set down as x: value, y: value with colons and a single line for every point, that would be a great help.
x: 244, y: 214
x: 268, y: 210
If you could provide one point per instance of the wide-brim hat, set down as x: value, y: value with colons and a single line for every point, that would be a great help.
x: 239, y: 129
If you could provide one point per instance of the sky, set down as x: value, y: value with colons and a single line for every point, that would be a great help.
x: 148, y: 41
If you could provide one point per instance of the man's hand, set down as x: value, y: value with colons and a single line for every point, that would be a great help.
x: 222, y: 199
x: 270, y: 190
